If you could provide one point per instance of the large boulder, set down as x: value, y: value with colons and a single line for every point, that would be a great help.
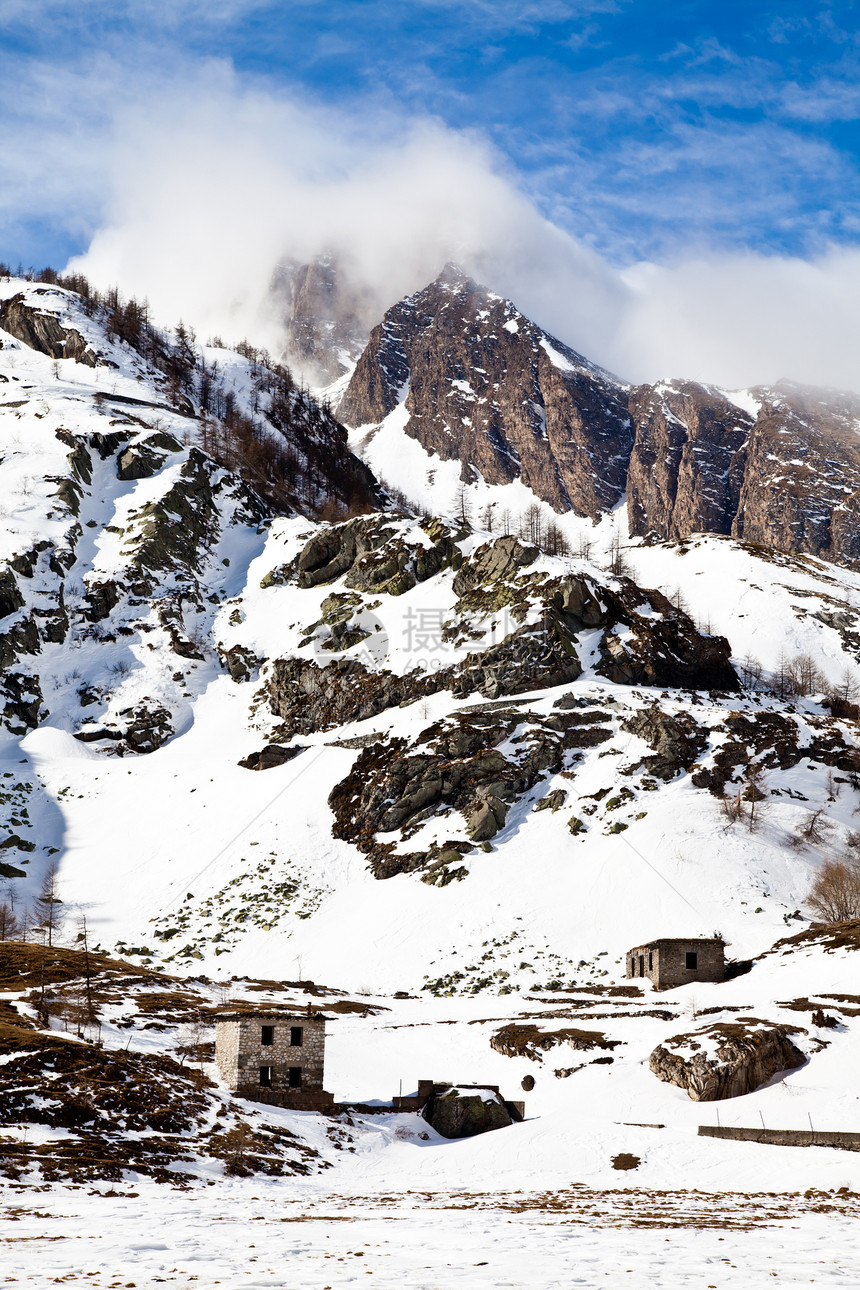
x: 497, y: 561
x: 458, y: 1114
x: 43, y: 332
x: 677, y: 741
x: 726, y: 1060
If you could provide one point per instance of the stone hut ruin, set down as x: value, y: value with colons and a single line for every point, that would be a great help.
x: 274, y: 1058
x: 674, y: 961
x: 462, y: 1110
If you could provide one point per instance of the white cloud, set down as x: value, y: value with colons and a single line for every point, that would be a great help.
x: 205, y: 190
x: 211, y: 189
x: 744, y: 319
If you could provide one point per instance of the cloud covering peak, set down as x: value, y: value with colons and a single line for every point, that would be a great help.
x: 213, y: 187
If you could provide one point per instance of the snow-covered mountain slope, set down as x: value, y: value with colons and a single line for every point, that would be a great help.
x: 473, y: 773
x: 456, y: 387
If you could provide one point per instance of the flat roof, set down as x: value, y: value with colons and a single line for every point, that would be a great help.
x: 254, y: 1015
x: 678, y: 940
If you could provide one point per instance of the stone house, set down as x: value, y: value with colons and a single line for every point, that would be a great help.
x: 275, y: 1058
x: 673, y: 961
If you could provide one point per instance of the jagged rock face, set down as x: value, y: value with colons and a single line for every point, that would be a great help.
x: 787, y: 478
x: 726, y: 1060
x: 801, y: 489
x: 326, y: 318
x: 42, y: 332
x: 687, y: 465
x: 485, y: 386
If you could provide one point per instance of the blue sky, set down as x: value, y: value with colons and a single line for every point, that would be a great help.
x: 646, y: 130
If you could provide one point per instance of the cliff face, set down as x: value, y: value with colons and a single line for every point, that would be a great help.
x: 485, y: 386
x: 785, y: 473
x: 326, y: 318
x: 801, y: 486
x: 687, y: 466
x: 480, y: 384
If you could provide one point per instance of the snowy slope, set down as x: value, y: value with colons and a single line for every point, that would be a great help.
x: 185, y: 859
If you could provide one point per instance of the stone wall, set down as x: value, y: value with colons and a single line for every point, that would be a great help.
x: 784, y: 1137
x: 240, y: 1054
x: 664, y: 962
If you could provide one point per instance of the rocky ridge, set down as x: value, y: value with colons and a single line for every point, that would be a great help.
x: 122, y: 514
x: 484, y: 386
x: 474, y: 381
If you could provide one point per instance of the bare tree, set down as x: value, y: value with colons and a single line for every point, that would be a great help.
x: 82, y: 939
x: 783, y: 678
x: 835, y: 894
x: 487, y: 517
x: 733, y: 805
x: 584, y: 547
x: 555, y: 542
x: 806, y: 675
x: 679, y: 600
x: 463, y: 507
x: 846, y: 689
x: 10, y: 923
x: 751, y: 672
x: 618, y: 563
x: 49, y: 915
x: 815, y: 830
x: 754, y: 794
x: 532, y: 524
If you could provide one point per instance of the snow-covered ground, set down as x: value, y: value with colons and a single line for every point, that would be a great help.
x: 249, y: 1236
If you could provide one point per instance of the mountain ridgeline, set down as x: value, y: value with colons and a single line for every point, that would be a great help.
x: 476, y: 382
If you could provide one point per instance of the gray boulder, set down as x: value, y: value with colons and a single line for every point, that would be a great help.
x: 726, y: 1060
x: 463, y: 1115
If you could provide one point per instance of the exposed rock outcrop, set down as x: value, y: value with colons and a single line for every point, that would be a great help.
x: 43, y: 332
x: 454, y: 764
x: 271, y: 756
x: 726, y: 1060
x: 677, y: 741
x: 144, y: 459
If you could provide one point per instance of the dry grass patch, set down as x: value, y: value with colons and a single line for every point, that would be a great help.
x: 519, y: 1040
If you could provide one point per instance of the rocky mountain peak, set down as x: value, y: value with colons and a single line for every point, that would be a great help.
x: 481, y: 384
